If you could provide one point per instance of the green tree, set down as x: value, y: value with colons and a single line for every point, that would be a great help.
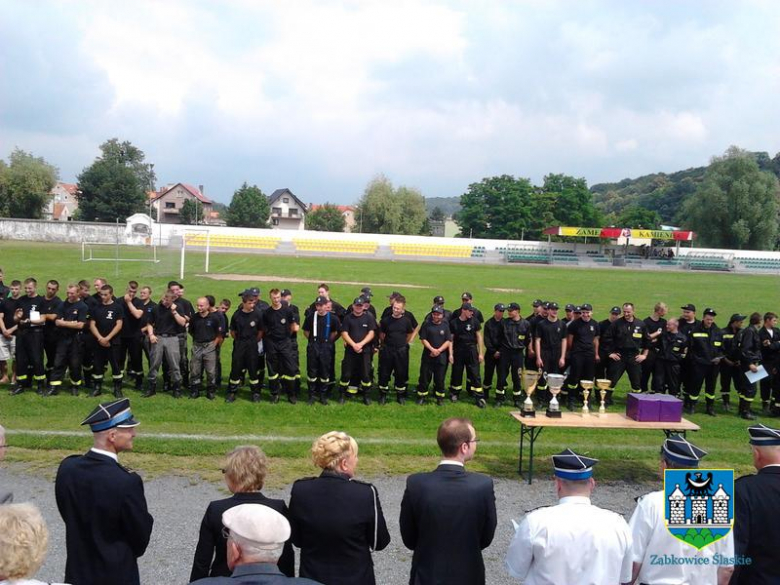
x: 634, y: 216
x: 573, y: 201
x: 437, y: 214
x: 326, y: 218
x: 132, y: 157
x: 109, y: 190
x: 25, y: 185
x: 191, y: 212
x: 497, y: 207
x: 248, y: 208
x: 736, y: 205
x: 385, y: 210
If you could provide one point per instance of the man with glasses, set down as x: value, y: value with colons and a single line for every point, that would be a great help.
x: 448, y: 516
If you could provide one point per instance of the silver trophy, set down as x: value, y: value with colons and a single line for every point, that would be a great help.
x: 587, y: 386
x: 554, y: 385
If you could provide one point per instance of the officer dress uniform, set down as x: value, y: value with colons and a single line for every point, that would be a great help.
x: 102, y: 503
x: 756, y: 529
x: 704, y: 355
x: 516, y: 336
x: 280, y: 356
x: 357, y: 364
x: 572, y: 542
x: 652, y: 539
x: 493, y: 332
x: 465, y: 356
x: 106, y: 318
x: 70, y: 347
x: 320, y: 353
x: 582, y: 354
x: 51, y: 332
x: 431, y: 367
x: 204, y: 331
x: 29, y: 346
x: 672, y: 349
x: 131, y: 351
x: 337, y: 522
x: 245, y: 328
x: 394, y: 355
x: 730, y: 371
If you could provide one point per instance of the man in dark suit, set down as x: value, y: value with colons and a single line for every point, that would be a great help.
x: 756, y: 502
x: 448, y: 516
x: 255, y: 539
x: 103, y: 506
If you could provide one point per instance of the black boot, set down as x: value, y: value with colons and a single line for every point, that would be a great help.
x: 16, y: 388
x: 211, y: 392
x: 608, y: 401
x: 139, y: 382
x: 400, y: 398
x: 500, y: 399
x: 688, y: 406
x: 74, y: 390
x: 745, y: 411
x: 421, y: 399
x: 726, y: 402
x: 382, y: 398
x: 176, y: 389
x: 151, y: 389
x: 570, y: 402
x: 97, y: 388
x: 255, y: 390
x: 118, y: 389
x: 710, y: 408
x: 479, y: 400
x: 342, y: 397
x: 40, y: 387
x: 195, y: 391
x: 52, y: 391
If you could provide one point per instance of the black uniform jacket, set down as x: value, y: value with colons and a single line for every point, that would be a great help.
x: 447, y: 517
x: 211, y: 552
x: 107, y: 525
x: 336, y: 522
x: 756, y: 530
x: 256, y: 574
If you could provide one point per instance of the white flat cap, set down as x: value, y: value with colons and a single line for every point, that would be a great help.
x: 257, y: 523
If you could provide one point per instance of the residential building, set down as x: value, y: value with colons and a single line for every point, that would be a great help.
x: 167, y: 203
x: 63, y: 203
x: 287, y: 211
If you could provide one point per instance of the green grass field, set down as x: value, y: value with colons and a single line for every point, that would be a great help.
x: 393, y: 439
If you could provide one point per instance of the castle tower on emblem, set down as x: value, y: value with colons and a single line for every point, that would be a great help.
x: 677, y: 506
x: 720, y: 506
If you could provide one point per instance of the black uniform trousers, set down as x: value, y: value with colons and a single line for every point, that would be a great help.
x: 432, y: 368
x: 648, y: 369
x: 50, y: 338
x: 107, y: 355
x: 466, y: 357
x: 244, y: 358
x: 319, y: 366
x: 747, y: 390
x: 88, y: 357
x: 770, y: 386
x: 666, y: 377
x: 626, y: 364
x: 131, y: 354
x: 29, y: 355
x: 601, y: 365
x: 492, y: 365
x: 728, y: 375
x: 70, y: 350
x: 702, y: 375
x: 394, y: 361
x: 510, y: 363
x: 549, y: 366
x: 582, y: 366
x: 282, y: 366
x: 356, y: 365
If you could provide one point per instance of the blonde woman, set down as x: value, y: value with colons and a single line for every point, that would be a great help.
x: 245, y: 470
x: 336, y: 520
x: 23, y: 542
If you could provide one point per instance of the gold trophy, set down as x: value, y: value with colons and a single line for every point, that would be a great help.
x: 554, y: 385
x: 603, y: 385
x: 530, y: 380
x: 587, y: 386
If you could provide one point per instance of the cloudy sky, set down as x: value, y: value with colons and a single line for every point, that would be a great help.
x: 321, y: 96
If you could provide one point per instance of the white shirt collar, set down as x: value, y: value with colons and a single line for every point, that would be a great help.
x: 574, y: 500
x: 106, y: 453
x: 450, y: 462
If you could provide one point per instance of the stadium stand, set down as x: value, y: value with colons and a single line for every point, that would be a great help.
x: 399, y: 249
x: 526, y: 255
x: 226, y: 241
x: 708, y: 261
x: 335, y: 246
x: 757, y: 263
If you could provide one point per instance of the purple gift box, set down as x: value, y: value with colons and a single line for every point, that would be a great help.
x: 671, y: 408
x: 643, y: 407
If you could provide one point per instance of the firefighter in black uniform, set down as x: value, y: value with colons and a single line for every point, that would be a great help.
x: 467, y: 299
x: 92, y: 301
x: 49, y: 309
x: 287, y: 299
x: 729, y: 366
x: 672, y: 350
x: 438, y: 301
x: 687, y: 322
x: 321, y: 329
x: 539, y: 314
x: 550, y: 346
x: 335, y: 307
x: 186, y: 310
x: 205, y: 328
x: 704, y: 355
x: 395, y: 334
x: 358, y: 331
x: 603, y: 361
x: 769, y: 335
x: 749, y: 359
x: 279, y: 321
x: 626, y: 341
x: 516, y: 336
x: 656, y: 325
x: 467, y: 349
x: 493, y: 331
x: 245, y: 327
x: 132, y: 346
x: 436, y: 337
x: 29, y: 340
x: 582, y: 341
x: 162, y: 329
x: 105, y: 323
x: 71, y: 320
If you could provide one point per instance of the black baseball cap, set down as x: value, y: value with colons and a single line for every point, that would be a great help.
x: 537, y: 303
x: 616, y: 310
x: 737, y: 317
x: 467, y: 307
x: 551, y: 305
x: 577, y: 309
x: 321, y: 300
x: 366, y: 290
x: 437, y: 309
x: 586, y: 307
x: 359, y: 301
x: 250, y: 292
x: 286, y: 292
x: 513, y: 307
x: 569, y: 307
x: 438, y: 300
x: 709, y: 311
x: 499, y: 307
x: 689, y: 307
x: 466, y: 296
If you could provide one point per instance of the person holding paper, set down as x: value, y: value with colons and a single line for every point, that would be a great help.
x: 750, y: 360
x: 29, y: 340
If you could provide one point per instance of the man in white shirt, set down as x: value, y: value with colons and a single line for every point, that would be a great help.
x: 573, y: 542
x: 652, y: 540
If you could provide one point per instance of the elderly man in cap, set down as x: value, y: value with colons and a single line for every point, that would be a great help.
x: 651, y: 538
x: 255, y: 539
x: 575, y: 541
x: 756, y: 502
x: 102, y: 503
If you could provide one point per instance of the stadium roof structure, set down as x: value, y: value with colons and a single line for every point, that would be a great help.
x: 617, y: 232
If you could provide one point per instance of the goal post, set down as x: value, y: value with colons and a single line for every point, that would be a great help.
x: 194, y: 239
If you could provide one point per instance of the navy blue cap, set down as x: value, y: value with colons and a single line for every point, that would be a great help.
x: 709, y: 311
x: 763, y: 436
x: 513, y: 307
x: 110, y: 415
x: 437, y: 309
x: 321, y: 300
x: 500, y: 307
x: 250, y: 292
x: 366, y: 291
x: 586, y: 307
x: 616, y: 310
x: 360, y: 301
x: 569, y: 465
x: 737, y: 317
x: 569, y: 307
x: 679, y: 450
x: 551, y: 305
x: 467, y: 307
x: 466, y: 296
x: 286, y: 292
x: 689, y: 307
x: 438, y: 300
x: 537, y: 303
x: 577, y: 309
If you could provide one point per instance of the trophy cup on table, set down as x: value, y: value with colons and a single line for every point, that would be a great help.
x: 554, y: 385
x: 587, y: 386
x: 530, y: 380
x: 603, y: 385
